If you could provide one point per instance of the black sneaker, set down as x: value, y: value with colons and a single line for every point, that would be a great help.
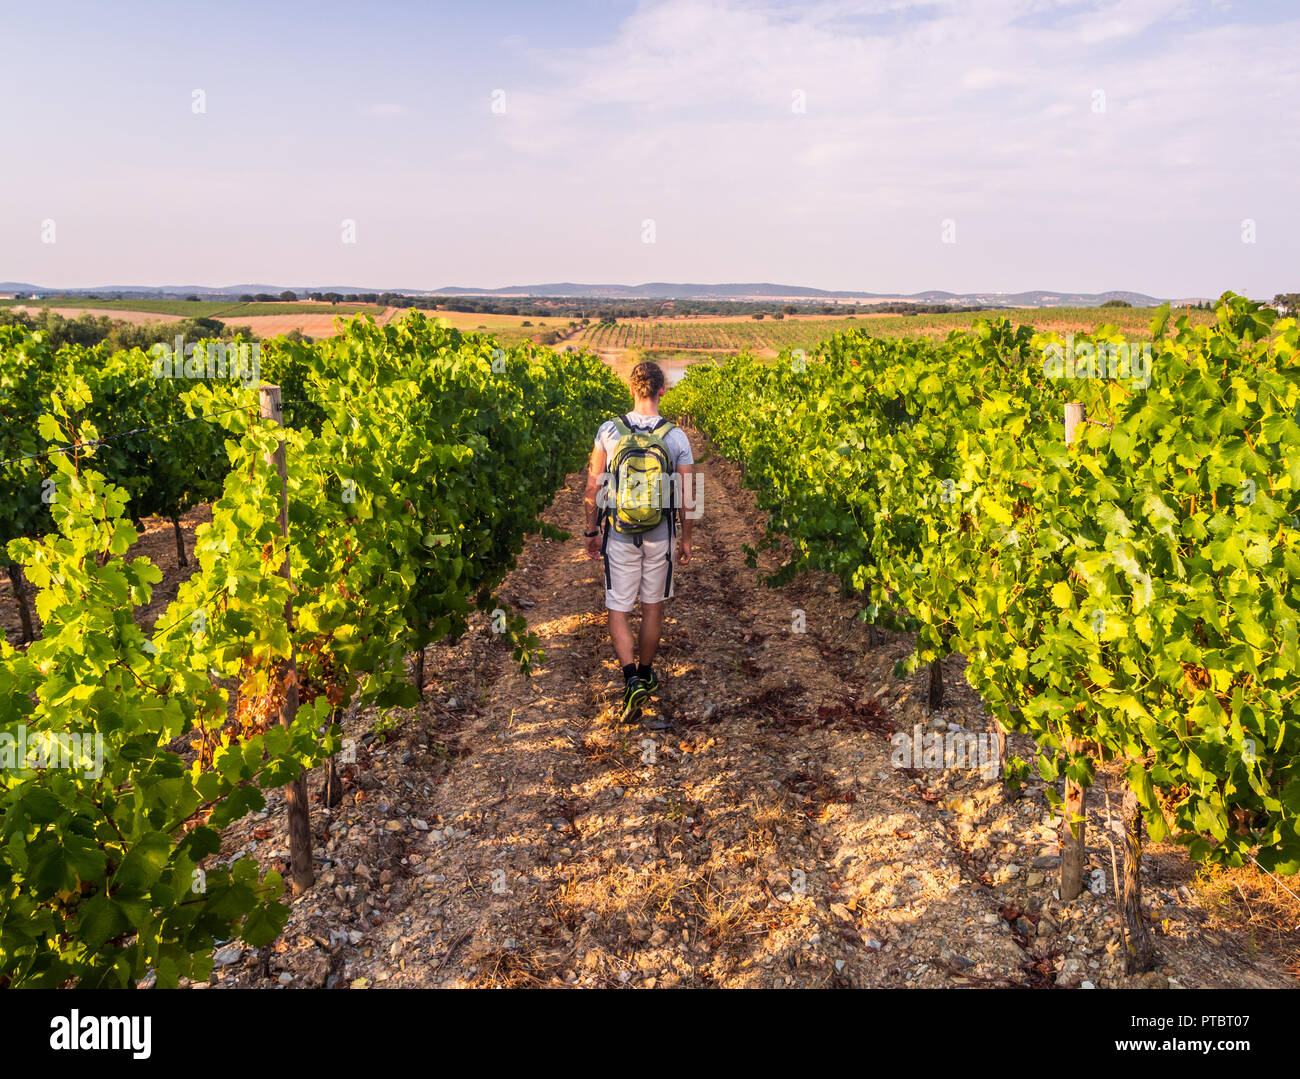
x: 634, y: 696
x: 652, y: 683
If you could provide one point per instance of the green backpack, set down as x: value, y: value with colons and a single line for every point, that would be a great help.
x: 642, y: 471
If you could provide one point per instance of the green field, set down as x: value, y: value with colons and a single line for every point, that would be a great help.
x: 186, y: 308
x: 758, y: 335
x: 508, y: 329
x: 249, y: 310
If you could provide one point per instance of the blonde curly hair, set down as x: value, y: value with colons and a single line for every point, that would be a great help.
x: 647, y: 379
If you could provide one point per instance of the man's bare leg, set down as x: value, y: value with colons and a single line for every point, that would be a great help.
x: 652, y: 624
x: 620, y: 631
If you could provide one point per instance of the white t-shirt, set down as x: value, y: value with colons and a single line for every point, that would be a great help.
x: 679, y: 452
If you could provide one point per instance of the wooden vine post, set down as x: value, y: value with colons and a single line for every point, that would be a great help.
x: 295, y: 794
x: 934, y: 687
x: 1073, y: 820
x: 1139, y: 951
x: 181, y: 560
x: 20, y: 597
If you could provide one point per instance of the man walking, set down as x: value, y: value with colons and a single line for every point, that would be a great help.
x: 637, y: 485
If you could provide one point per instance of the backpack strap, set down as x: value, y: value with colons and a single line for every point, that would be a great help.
x: 604, y: 548
x: 662, y: 430
x: 672, y: 534
x: 621, y: 426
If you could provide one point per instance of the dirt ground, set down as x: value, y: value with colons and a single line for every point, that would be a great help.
x: 753, y: 830
x: 313, y: 325
x: 136, y: 318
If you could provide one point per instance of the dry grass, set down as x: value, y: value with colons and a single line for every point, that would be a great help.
x: 1262, y: 908
x: 772, y: 819
x: 721, y: 921
x: 624, y: 894
x: 517, y: 969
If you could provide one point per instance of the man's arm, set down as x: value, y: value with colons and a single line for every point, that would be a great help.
x: 595, y: 477
x: 685, y: 475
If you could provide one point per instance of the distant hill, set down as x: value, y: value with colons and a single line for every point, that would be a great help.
x: 654, y: 290
x: 658, y: 290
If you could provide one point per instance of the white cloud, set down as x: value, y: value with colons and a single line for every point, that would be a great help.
x: 981, y: 78
x: 964, y: 108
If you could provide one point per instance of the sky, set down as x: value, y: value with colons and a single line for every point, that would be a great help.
x: 999, y: 146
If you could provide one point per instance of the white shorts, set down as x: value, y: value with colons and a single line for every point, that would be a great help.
x: 645, y: 571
